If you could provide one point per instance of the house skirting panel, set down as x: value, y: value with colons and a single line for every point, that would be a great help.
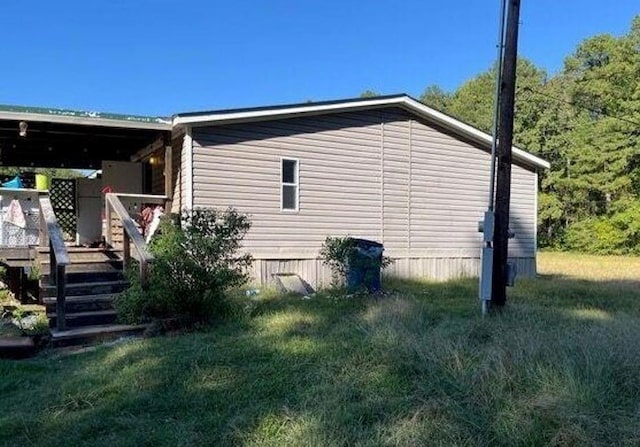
x: 432, y: 269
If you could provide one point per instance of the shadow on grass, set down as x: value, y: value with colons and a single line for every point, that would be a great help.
x: 417, y: 366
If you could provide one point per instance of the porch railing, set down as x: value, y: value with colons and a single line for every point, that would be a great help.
x: 130, y: 233
x: 51, y: 235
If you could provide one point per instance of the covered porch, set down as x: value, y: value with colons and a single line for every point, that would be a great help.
x: 74, y: 231
x: 121, y: 154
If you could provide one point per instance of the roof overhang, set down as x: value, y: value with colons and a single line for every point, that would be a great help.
x: 72, y: 117
x: 42, y: 137
x: 405, y: 102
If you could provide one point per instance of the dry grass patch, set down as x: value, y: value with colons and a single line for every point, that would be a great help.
x: 590, y: 267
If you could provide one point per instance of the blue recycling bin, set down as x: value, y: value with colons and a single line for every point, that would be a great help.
x: 364, y: 263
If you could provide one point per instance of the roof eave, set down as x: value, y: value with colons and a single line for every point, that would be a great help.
x: 403, y: 101
x: 86, y: 121
x: 311, y: 108
x: 470, y: 131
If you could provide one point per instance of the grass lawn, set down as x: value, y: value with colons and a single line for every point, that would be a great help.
x: 561, y: 366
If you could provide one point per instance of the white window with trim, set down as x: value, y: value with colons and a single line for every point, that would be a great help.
x: 289, y: 184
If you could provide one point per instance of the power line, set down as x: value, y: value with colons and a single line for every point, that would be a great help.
x: 579, y: 106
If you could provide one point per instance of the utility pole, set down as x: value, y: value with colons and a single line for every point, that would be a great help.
x: 503, y: 153
x: 486, y: 226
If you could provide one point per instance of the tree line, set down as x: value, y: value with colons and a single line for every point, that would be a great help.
x: 584, y: 120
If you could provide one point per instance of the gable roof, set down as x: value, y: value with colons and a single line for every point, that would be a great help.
x: 411, y: 105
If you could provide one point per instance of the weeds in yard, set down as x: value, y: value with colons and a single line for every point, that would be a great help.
x: 73, y: 403
x: 17, y: 319
x: 38, y: 326
x: 417, y: 366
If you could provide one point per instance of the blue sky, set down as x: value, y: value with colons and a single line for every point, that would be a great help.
x: 159, y: 57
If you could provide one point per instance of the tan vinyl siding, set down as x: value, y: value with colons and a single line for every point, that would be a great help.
x: 396, y: 184
x: 449, y: 188
x: 339, y: 179
x: 379, y: 174
x: 523, y: 213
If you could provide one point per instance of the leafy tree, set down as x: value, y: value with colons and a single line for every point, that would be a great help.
x: 603, y: 153
x: 11, y: 171
x: 59, y: 172
x: 436, y: 98
x: 473, y: 102
x: 585, y: 121
x: 369, y: 94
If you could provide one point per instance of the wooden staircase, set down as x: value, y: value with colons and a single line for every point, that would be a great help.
x: 94, y: 278
x: 78, y: 285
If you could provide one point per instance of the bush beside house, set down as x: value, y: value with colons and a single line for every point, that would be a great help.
x: 195, y: 265
x: 340, y: 255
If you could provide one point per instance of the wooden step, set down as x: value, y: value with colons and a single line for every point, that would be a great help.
x: 73, y: 249
x: 92, y: 334
x: 82, y: 303
x: 82, y: 319
x: 86, y: 257
x: 79, y: 273
x: 44, y: 263
x: 94, y: 266
x: 16, y: 347
x: 87, y: 288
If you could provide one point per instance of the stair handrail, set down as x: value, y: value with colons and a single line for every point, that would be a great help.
x: 130, y: 233
x: 51, y: 235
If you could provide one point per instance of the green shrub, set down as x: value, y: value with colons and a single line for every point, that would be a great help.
x: 38, y: 327
x: 136, y: 305
x: 615, y: 234
x: 334, y: 254
x: 338, y: 254
x: 194, y: 266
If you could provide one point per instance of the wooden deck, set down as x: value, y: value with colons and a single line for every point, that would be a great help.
x: 17, y: 256
x: 78, y: 285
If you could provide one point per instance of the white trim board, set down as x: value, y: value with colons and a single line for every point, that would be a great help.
x: 187, y: 146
